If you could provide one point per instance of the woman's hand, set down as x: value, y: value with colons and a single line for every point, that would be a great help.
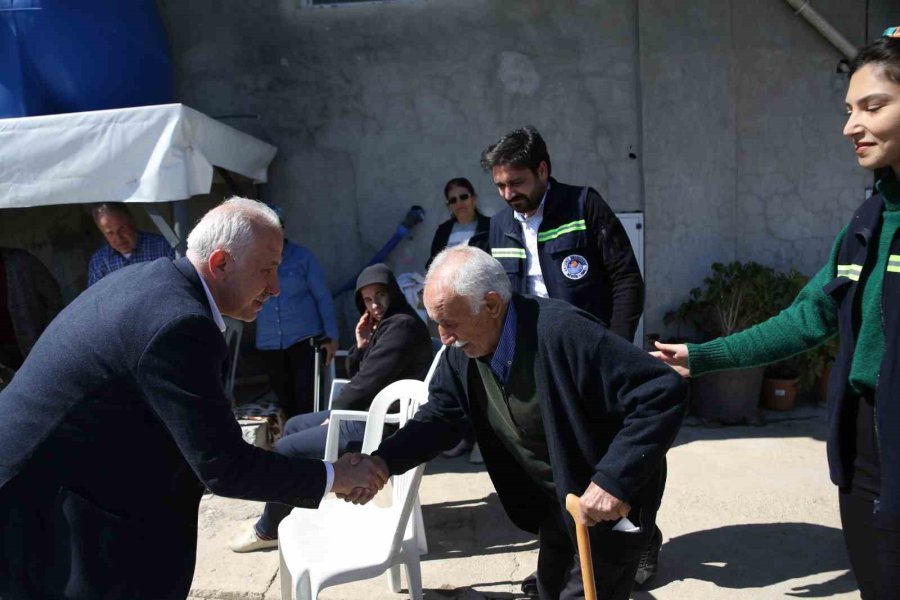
x: 674, y: 355
x: 364, y: 329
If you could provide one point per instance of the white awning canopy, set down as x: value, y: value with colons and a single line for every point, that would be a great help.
x: 144, y: 154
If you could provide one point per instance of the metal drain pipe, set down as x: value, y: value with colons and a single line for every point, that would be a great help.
x: 802, y: 8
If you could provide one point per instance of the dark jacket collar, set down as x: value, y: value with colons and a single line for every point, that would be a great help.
x: 190, y: 273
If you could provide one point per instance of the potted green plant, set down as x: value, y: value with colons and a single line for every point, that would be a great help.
x: 733, y: 297
x: 816, y: 367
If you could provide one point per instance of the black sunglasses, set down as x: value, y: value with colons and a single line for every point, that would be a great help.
x: 461, y: 198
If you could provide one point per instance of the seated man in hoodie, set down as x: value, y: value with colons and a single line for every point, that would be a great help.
x: 392, y: 343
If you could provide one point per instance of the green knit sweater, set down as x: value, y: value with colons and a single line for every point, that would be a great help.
x: 812, y: 318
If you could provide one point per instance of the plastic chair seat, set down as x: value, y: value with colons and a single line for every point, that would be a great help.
x: 360, y: 538
x: 338, y: 545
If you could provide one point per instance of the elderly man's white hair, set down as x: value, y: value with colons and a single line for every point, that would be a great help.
x: 229, y: 226
x: 471, y: 273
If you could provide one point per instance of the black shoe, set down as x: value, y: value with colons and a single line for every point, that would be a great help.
x: 529, y: 586
x: 649, y: 559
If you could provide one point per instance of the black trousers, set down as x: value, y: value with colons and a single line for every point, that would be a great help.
x: 615, y: 556
x: 873, y: 547
x: 872, y: 540
x: 56, y: 544
x: 292, y: 373
x: 10, y: 361
x: 23, y: 511
x: 10, y: 356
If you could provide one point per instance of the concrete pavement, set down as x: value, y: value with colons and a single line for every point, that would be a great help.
x: 749, y: 513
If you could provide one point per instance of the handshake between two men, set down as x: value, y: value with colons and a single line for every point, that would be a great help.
x: 358, y: 477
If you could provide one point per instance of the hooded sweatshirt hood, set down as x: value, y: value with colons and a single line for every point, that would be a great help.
x: 380, y: 273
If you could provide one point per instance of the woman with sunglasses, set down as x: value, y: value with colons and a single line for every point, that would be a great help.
x: 465, y: 220
x: 856, y: 296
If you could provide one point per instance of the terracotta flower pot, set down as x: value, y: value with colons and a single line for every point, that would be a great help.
x: 779, y: 394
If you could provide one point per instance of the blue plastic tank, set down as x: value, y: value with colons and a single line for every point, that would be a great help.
x: 59, y: 56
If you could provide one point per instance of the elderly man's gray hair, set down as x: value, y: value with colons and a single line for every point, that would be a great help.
x: 471, y: 273
x: 229, y: 227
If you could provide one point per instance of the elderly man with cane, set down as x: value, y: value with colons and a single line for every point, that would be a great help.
x: 559, y: 405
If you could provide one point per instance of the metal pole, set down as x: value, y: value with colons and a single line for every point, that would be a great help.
x: 818, y: 22
x: 182, y: 226
x: 317, y: 376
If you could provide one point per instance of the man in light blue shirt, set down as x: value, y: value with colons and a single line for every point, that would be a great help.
x: 287, y: 325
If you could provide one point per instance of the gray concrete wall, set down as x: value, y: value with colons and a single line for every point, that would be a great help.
x: 374, y: 107
x: 743, y: 152
x: 689, y: 146
x: 797, y: 176
x: 882, y: 14
x: 732, y: 110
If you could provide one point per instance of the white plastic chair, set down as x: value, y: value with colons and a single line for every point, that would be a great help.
x: 341, y: 542
x: 329, y: 382
x: 336, y: 385
x: 333, y: 438
x: 434, y: 363
x: 233, y: 331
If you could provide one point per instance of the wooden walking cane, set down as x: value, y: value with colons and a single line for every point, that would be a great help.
x: 584, y: 548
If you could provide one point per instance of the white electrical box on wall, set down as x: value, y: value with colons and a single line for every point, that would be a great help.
x: 633, y: 222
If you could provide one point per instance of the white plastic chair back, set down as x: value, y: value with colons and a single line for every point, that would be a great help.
x: 434, y: 364
x: 410, y: 394
x: 332, y: 441
x: 336, y: 385
x: 309, y: 565
x: 328, y: 377
x: 233, y: 331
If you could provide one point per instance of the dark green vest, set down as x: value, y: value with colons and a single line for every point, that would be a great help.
x: 514, y: 414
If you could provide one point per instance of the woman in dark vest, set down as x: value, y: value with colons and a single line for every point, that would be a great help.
x: 856, y: 296
x: 465, y: 219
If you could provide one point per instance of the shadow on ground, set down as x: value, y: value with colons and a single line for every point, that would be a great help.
x: 471, y: 593
x: 754, y: 556
x: 805, y: 420
x: 469, y: 528
x: 459, y: 464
